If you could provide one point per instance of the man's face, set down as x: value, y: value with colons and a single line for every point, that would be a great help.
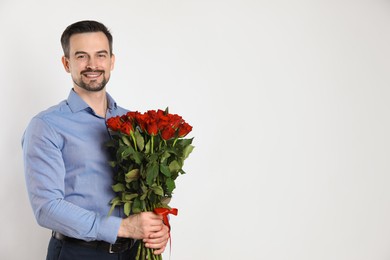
x: 89, y: 62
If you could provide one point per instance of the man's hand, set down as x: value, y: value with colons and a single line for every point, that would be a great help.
x: 158, y: 240
x: 147, y: 226
x: 140, y: 226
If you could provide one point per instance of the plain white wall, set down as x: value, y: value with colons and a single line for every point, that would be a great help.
x: 290, y: 106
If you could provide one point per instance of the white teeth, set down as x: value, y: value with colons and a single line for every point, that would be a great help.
x: 92, y: 75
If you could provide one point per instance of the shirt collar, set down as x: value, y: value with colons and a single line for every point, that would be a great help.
x: 76, y: 103
x: 111, y: 104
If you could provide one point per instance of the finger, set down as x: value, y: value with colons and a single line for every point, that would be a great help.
x: 157, y: 239
x: 152, y: 215
x: 159, y: 251
x: 164, y: 230
x: 158, y: 230
x: 159, y: 235
x: 155, y: 244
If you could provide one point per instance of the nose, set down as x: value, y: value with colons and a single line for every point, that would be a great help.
x: 91, y: 64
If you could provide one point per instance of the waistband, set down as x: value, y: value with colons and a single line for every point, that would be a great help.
x: 120, y: 245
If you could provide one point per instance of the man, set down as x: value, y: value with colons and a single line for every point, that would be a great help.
x: 66, y: 162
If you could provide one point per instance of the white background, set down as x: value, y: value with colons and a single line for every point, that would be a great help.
x: 290, y: 106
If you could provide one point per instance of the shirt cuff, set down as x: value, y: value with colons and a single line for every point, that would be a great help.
x: 108, y: 229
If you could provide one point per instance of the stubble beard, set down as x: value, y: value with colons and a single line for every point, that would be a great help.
x: 93, y: 86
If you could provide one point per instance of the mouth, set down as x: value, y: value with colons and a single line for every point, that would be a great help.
x: 92, y: 74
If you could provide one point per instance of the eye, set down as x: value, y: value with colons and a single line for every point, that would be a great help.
x: 102, y: 55
x: 81, y: 56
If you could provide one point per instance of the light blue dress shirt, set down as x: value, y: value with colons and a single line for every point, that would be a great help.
x: 67, y: 172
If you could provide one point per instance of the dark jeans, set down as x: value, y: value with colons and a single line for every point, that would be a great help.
x: 63, y: 250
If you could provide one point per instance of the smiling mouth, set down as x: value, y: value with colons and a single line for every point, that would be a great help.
x: 92, y: 74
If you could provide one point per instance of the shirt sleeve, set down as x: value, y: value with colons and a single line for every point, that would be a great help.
x: 45, y: 175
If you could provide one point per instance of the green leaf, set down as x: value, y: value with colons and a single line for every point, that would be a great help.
x: 132, y: 175
x: 125, y: 152
x: 174, y: 166
x: 144, y: 188
x: 187, y: 150
x: 165, y: 156
x: 137, y: 157
x: 128, y: 151
x: 136, y: 207
x: 184, y: 142
x: 143, y: 205
x: 114, y: 202
x: 147, y: 147
x: 153, y: 158
x: 143, y: 197
x: 127, y: 208
x: 170, y: 185
x: 118, y: 187
x: 153, y: 198
x: 139, y: 139
x: 158, y: 190
x: 119, y: 152
x: 165, y: 170
x: 151, y: 173
x: 126, y: 140
x: 126, y: 197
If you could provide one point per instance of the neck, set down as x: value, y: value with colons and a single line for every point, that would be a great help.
x: 96, y: 100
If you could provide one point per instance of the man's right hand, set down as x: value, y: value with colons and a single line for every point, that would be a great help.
x: 140, y: 226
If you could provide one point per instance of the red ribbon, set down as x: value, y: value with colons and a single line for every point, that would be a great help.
x: 164, y: 212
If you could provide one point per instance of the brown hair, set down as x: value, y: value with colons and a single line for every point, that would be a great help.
x: 83, y: 27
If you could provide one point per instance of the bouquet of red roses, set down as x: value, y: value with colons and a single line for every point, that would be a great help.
x: 150, y: 150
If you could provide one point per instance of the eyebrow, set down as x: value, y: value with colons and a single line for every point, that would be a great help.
x: 83, y: 52
x: 103, y: 51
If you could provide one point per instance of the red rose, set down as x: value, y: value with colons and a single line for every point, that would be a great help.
x: 161, y: 114
x: 152, y: 114
x: 151, y: 127
x: 114, y: 123
x: 132, y: 115
x: 162, y: 119
x: 175, y: 120
x: 127, y: 128
x: 148, y: 122
x: 142, y: 121
x: 184, y: 129
x: 168, y: 133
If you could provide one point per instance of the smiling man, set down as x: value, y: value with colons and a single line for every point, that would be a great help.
x: 89, y: 62
x: 66, y: 163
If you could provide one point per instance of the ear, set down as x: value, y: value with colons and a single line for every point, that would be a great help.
x: 112, y: 61
x: 65, y: 62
